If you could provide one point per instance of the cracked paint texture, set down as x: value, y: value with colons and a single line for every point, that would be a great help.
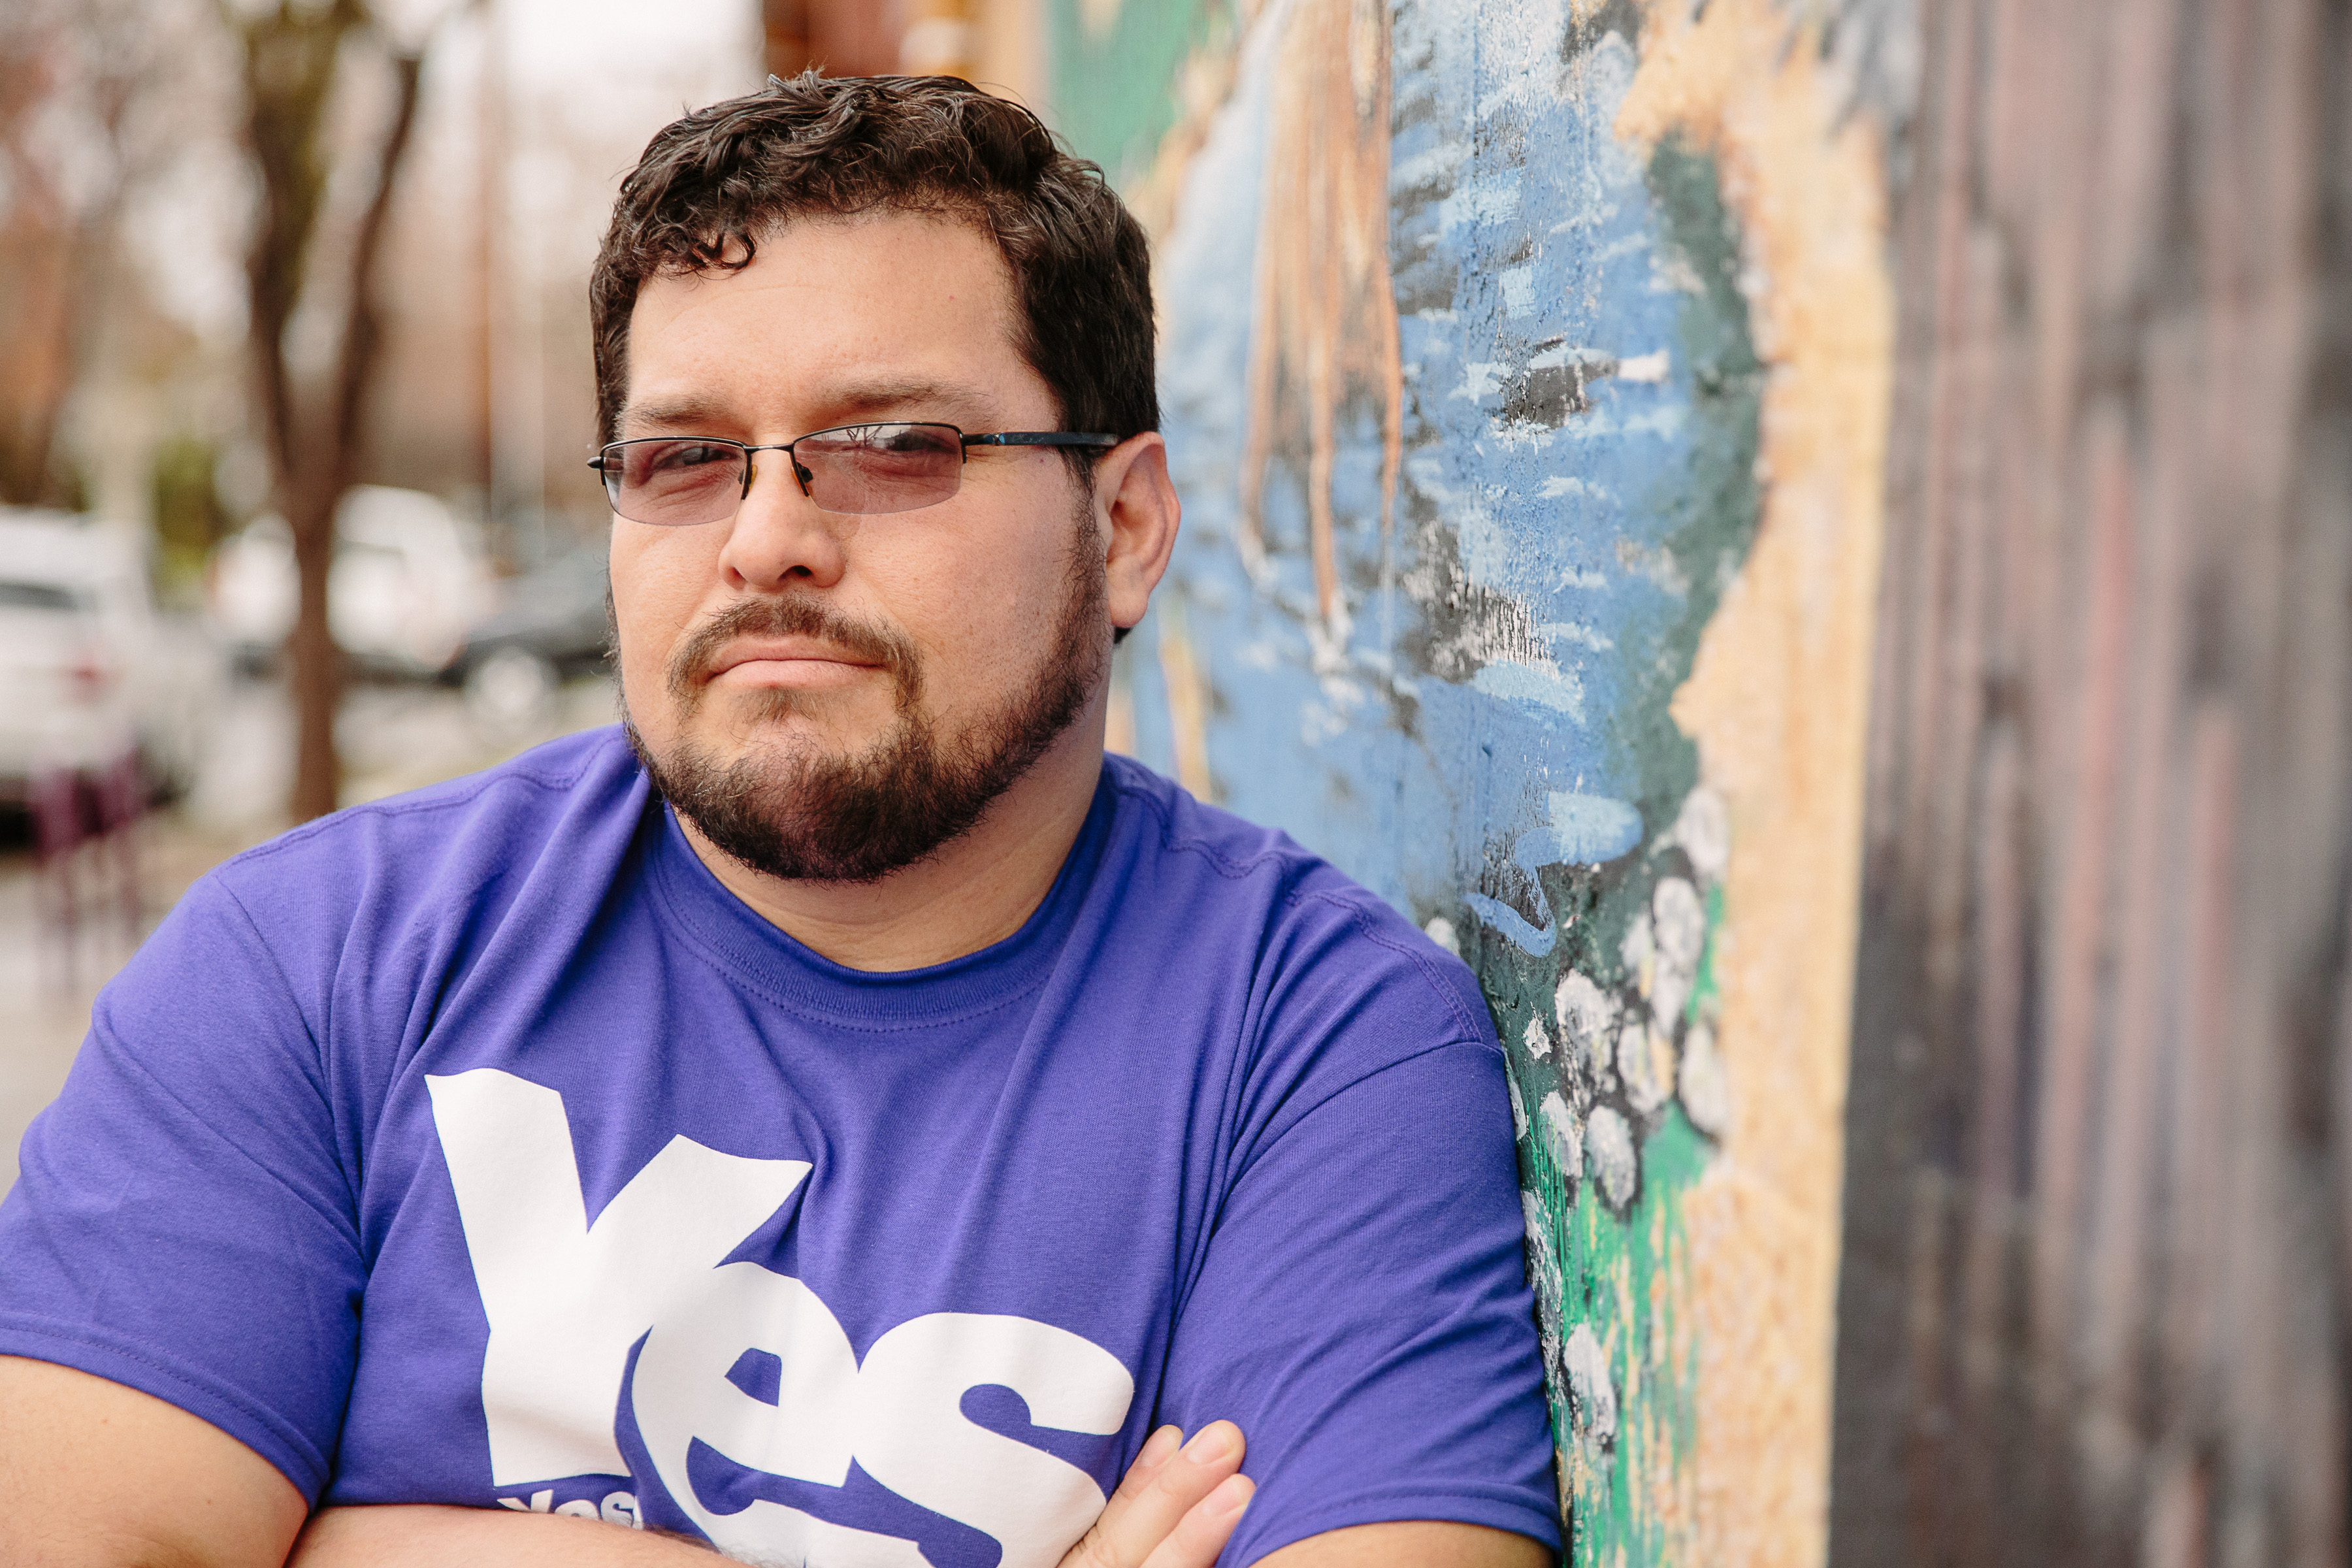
x: 1524, y: 365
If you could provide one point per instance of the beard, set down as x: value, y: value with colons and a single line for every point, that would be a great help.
x: 813, y: 815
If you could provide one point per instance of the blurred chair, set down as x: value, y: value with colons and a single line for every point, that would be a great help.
x: 85, y: 824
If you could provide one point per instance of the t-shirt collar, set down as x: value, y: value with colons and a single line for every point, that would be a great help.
x: 771, y: 961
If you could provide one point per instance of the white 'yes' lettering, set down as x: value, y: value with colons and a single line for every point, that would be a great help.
x: 566, y: 1300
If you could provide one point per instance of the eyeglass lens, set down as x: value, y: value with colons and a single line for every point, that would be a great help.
x: 863, y: 468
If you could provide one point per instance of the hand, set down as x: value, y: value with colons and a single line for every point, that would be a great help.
x: 1175, y: 1508
x: 1172, y: 1509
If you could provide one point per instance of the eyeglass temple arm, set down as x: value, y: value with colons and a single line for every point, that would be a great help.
x: 1002, y: 438
x: 1041, y: 439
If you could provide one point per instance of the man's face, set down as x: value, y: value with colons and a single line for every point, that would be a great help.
x: 832, y: 696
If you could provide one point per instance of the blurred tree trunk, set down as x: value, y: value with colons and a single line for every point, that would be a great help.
x: 36, y: 279
x: 56, y: 243
x: 292, y: 57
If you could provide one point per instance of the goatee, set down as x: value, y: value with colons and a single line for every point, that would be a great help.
x: 808, y: 815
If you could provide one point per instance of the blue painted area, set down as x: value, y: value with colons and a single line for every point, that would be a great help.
x: 1483, y: 661
x: 1584, y: 830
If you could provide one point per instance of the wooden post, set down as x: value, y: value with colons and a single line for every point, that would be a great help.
x: 2094, y: 1300
x: 838, y: 38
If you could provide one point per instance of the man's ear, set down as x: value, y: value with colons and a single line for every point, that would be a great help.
x: 1137, y: 514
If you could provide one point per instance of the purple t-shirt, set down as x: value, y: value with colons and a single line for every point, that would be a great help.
x: 478, y: 1147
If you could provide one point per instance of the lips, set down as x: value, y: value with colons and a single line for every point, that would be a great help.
x: 786, y: 630
x: 796, y: 651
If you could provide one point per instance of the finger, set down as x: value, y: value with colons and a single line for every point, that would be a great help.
x: 1157, y: 1450
x: 1160, y: 1488
x: 1205, y: 1528
x: 1100, y: 1546
x: 1153, y: 1499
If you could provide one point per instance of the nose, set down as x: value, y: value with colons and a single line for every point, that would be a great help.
x: 780, y: 535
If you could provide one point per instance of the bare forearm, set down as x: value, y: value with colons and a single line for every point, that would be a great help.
x: 414, y: 1536
x: 96, y: 1475
x: 1165, y: 1514
x: 1412, y: 1543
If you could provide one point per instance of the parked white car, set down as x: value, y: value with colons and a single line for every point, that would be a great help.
x: 89, y: 672
x: 409, y: 579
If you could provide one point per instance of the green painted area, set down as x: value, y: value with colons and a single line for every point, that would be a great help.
x: 1621, y: 1274
x: 1711, y: 507
x: 1113, y: 68
x: 1706, y: 993
x: 1626, y: 1273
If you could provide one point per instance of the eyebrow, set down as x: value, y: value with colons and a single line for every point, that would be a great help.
x: 891, y: 397
x: 847, y: 405
x: 672, y: 414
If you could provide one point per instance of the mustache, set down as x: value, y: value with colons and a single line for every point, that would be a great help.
x: 793, y: 615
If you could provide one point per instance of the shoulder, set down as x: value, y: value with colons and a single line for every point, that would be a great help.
x: 1326, y: 958
x: 383, y: 894
x: 486, y: 824
x: 298, y: 974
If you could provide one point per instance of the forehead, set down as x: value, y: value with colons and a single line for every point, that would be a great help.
x: 833, y: 308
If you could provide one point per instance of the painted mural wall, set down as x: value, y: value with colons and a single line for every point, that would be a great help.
x: 1525, y: 366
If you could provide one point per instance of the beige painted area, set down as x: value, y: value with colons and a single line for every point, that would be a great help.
x: 1009, y: 49
x: 1098, y: 16
x: 1777, y: 702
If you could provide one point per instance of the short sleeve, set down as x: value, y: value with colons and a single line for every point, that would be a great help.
x: 182, y: 1222
x: 1362, y: 1314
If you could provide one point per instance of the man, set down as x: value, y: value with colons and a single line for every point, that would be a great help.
x: 844, y: 1118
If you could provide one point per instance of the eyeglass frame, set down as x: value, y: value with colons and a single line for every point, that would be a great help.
x: 801, y: 476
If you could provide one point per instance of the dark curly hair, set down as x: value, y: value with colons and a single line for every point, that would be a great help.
x: 708, y: 186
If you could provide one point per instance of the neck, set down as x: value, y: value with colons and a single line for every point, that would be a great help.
x: 975, y: 889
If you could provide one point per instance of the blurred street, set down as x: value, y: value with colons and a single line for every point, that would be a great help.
x: 394, y: 737
x: 154, y: 495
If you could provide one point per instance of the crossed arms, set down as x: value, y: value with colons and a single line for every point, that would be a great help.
x: 100, y: 1475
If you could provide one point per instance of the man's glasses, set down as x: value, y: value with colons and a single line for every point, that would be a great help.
x: 678, y: 481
